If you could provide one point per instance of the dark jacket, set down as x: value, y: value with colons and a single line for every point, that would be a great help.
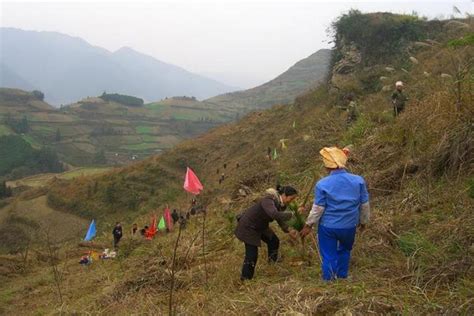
x: 175, y: 216
x: 399, y: 99
x: 117, y: 232
x: 254, y: 222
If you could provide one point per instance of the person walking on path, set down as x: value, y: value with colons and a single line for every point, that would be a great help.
x: 341, y: 204
x: 253, y: 226
x: 398, y: 99
x: 117, y: 233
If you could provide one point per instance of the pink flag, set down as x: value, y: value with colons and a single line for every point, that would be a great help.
x: 192, y: 183
x: 168, y: 220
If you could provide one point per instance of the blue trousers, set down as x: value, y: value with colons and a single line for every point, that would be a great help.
x: 335, y: 245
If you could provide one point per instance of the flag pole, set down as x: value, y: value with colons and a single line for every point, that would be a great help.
x: 203, y: 243
x: 173, y: 270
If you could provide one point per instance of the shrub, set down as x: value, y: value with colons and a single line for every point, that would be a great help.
x: 17, y: 125
x: 123, y: 99
x: 379, y: 36
x: 38, y: 95
x: 411, y: 242
x: 17, y: 157
x: 358, y: 130
x: 467, y: 40
x: 471, y: 188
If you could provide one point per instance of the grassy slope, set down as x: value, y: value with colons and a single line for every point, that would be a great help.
x: 415, y: 258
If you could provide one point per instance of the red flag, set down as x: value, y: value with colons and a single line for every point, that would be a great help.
x: 151, y: 231
x: 191, y: 182
x: 167, y: 216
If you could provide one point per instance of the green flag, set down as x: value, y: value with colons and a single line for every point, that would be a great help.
x: 161, y: 224
x: 275, y: 155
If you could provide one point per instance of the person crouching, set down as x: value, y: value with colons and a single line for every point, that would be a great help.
x: 253, y: 226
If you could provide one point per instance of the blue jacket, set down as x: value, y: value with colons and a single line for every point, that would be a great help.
x: 341, y: 194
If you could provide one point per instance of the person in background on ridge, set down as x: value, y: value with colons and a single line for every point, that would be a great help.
x: 182, y: 220
x: 117, y: 233
x: 341, y: 204
x: 398, y: 99
x: 175, y: 216
x: 253, y: 226
x: 144, y: 230
x: 352, y: 109
x: 134, y: 230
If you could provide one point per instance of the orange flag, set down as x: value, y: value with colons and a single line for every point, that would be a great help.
x: 151, y: 231
x: 191, y: 182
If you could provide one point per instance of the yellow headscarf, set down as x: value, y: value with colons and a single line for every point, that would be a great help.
x: 333, y: 157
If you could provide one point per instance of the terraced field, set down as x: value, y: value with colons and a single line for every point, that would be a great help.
x: 91, y: 129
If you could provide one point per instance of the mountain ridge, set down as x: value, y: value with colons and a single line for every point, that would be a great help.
x: 296, y: 80
x: 50, y: 61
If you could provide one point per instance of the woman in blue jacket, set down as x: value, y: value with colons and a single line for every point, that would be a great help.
x: 341, y: 204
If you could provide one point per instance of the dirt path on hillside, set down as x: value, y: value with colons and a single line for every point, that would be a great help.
x: 40, y: 180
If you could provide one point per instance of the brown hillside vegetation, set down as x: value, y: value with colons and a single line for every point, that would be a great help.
x: 415, y: 257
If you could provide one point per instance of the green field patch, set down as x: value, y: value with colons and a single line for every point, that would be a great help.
x: 157, y: 109
x: 85, y: 146
x: 186, y: 116
x: 4, y: 130
x: 130, y: 139
x: 142, y: 146
x: 155, y: 106
x: 30, y: 140
x: 142, y: 129
x: 82, y: 172
x: 44, y: 129
x: 117, y: 121
x: 149, y: 138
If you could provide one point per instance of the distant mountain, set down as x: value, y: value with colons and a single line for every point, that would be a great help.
x: 68, y: 68
x: 8, y: 78
x: 299, y: 78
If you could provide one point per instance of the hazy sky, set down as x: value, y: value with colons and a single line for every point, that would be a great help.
x: 242, y: 43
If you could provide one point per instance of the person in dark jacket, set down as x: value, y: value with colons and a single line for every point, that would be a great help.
x: 134, y: 230
x: 117, y: 232
x: 175, y: 216
x: 398, y: 99
x: 144, y: 230
x: 253, y: 226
